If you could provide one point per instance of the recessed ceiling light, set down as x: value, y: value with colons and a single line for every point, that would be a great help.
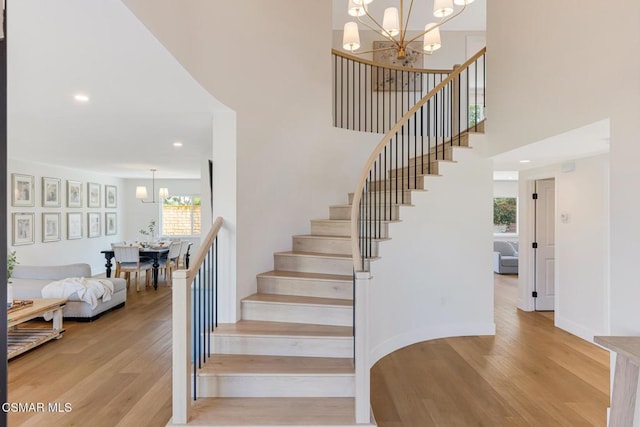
x: 177, y: 144
x: 525, y: 161
x: 80, y: 97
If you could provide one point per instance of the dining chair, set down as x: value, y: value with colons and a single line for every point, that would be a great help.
x: 184, y: 251
x: 170, y: 262
x: 113, y: 245
x: 128, y: 259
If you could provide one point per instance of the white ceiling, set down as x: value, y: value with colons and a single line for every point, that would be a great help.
x: 141, y: 99
x: 474, y: 18
x: 586, y: 141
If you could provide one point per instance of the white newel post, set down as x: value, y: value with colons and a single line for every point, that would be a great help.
x: 181, y: 336
x: 363, y: 396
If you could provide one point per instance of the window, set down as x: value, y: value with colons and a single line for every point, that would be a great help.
x: 476, y: 114
x: 505, y: 215
x: 181, y: 216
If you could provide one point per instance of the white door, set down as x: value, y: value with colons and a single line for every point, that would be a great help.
x: 545, y: 239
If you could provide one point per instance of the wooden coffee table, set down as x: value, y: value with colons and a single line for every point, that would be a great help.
x: 21, y: 339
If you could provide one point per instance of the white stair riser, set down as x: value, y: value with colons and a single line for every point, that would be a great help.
x: 378, y: 210
x: 305, y: 287
x: 400, y: 182
x: 327, y: 228
x: 388, y: 197
x: 286, y: 385
x: 298, y: 313
x: 313, y: 264
x: 411, y: 170
x: 330, y: 228
x: 265, y: 345
x: 323, y: 245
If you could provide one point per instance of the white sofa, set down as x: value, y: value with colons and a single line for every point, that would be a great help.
x: 505, y: 257
x: 28, y: 282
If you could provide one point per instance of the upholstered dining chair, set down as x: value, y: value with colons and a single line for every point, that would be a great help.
x: 184, y: 252
x: 128, y: 259
x: 170, y: 262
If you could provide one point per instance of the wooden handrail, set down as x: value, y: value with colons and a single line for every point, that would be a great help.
x: 389, y: 67
x: 204, y: 248
x: 355, y: 206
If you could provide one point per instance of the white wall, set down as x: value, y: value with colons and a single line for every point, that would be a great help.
x: 290, y: 163
x: 545, y: 82
x: 64, y: 251
x: 434, y: 278
x: 582, y: 245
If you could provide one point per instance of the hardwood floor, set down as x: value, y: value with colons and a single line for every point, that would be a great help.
x: 530, y: 373
x: 116, y: 371
x: 113, y: 371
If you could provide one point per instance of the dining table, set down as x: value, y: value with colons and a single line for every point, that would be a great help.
x: 155, y: 253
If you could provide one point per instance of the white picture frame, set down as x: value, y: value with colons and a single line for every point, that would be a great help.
x: 74, y: 225
x: 93, y: 195
x: 74, y: 194
x: 94, y: 228
x: 110, y: 196
x: 22, y: 190
x: 23, y: 228
x: 50, y: 192
x: 110, y: 223
x: 50, y: 227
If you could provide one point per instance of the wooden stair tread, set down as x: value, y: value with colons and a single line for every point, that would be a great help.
x: 298, y: 300
x: 246, y: 364
x: 310, y: 276
x: 274, y: 329
x: 246, y: 411
x: 314, y: 254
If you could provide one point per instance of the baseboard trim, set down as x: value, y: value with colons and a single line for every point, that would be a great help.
x: 575, y: 329
x: 430, y: 333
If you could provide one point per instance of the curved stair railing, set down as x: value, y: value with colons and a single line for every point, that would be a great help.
x: 411, y: 150
x: 370, y: 97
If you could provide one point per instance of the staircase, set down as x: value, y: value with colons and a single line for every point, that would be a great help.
x: 289, y: 361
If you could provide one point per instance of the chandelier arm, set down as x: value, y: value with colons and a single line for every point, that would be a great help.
x: 403, y: 34
x: 377, y: 30
x: 373, y: 50
x: 442, y: 22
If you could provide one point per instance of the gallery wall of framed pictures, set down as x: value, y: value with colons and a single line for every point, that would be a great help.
x: 62, y: 209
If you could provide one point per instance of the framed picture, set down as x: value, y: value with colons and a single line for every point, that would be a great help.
x: 396, y: 81
x: 74, y: 225
x: 93, y: 224
x: 110, y: 196
x: 110, y: 223
x: 23, y: 228
x: 74, y: 194
x: 50, y: 192
x: 93, y: 195
x: 50, y: 227
x: 23, y: 192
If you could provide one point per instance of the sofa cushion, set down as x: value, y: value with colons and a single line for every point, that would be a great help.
x: 32, y: 288
x: 509, y: 261
x: 51, y: 272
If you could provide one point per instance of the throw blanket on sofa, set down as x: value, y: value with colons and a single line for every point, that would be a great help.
x: 89, y: 290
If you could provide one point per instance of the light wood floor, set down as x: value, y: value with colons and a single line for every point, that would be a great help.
x: 529, y: 374
x: 116, y: 371
x: 113, y: 371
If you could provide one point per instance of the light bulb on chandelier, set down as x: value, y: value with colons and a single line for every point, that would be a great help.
x: 395, y: 23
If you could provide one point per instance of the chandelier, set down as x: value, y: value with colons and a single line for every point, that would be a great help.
x: 141, y: 191
x: 394, y: 26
